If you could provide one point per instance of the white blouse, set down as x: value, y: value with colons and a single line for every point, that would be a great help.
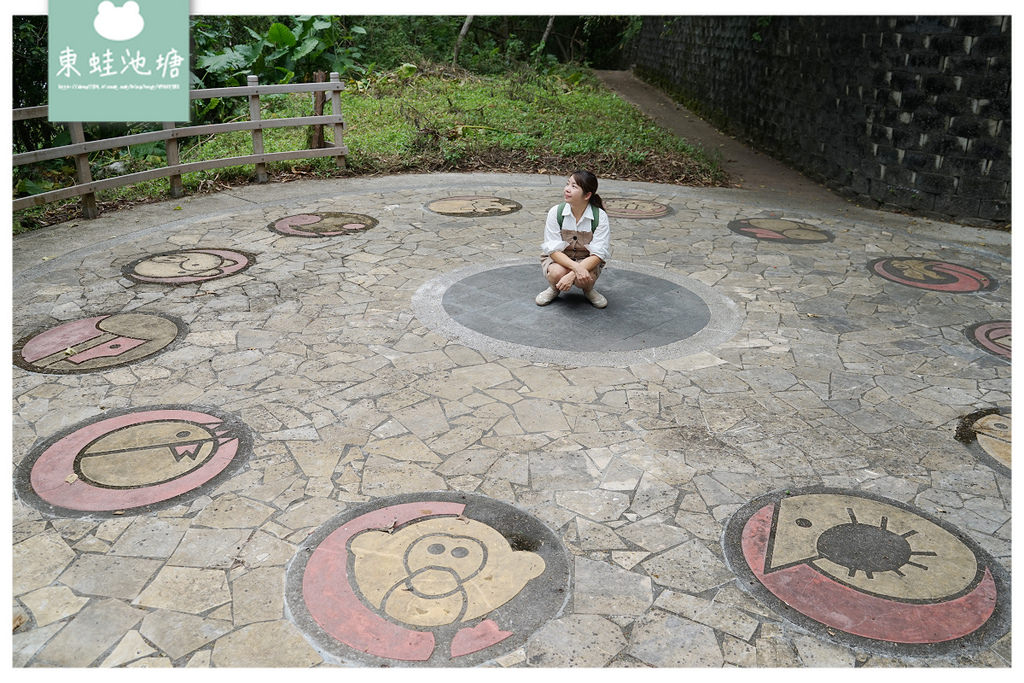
x: 599, y: 246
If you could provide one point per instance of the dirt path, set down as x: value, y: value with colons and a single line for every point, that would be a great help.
x: 748, y: 168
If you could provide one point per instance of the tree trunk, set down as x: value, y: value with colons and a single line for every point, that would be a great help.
x: 544, y: 38
x: 462, y: 35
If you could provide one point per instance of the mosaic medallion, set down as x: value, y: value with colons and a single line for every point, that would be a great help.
x: 869, y: 571
x: 937, y: 276
x: 188, y: 266
x: 780, y: 230
x: 97, y: 343
x: 623, y: 207
x: 131, y: 461
x: 324, y: 224
x: 435, y: 579
x: 987, y: 433
x: 993, y: 336
x: 474, y: 206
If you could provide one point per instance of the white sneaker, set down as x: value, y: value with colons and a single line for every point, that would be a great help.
x: 595, y: 297
x: 547, y: 296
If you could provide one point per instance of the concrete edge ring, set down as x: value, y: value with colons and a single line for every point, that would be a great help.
x: 990, y: 576
x: 725, y: 321
x: 236, y: 460
x: 363, y: 635
x: 19, y: 360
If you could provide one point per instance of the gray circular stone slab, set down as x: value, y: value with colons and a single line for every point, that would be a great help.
x: 653, y: 314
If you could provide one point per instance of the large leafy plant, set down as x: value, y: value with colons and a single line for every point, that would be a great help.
x: 284, y: 54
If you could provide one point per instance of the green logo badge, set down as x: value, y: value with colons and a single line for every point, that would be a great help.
x: 118, y: 61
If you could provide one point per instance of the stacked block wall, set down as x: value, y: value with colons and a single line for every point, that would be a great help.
x: 909, y: 113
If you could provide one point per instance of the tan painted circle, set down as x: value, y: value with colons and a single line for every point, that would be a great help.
x: 191, y: 263
x: 146, y: 454
x: 791, y: 229
x: 994, y: 436
x: 336, y: 222
x: 926, y: 576
x: 634, y: 208
x: 438, y: 571
x: 474, y: 206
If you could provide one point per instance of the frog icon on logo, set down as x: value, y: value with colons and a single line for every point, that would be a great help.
x: 118, y: 23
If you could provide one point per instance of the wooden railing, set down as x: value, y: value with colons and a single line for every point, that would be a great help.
x: 80, y: 149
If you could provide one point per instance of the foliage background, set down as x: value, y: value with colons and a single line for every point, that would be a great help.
x: 509, y: 103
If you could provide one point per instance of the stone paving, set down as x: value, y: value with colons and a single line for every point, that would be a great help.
x: 191, y: 431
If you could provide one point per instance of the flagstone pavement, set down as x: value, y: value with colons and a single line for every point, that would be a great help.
x: 334, y: 372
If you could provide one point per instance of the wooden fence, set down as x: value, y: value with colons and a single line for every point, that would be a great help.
x: 80, y: 149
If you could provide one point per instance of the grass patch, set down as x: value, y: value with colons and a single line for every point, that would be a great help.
x: 436, y: 119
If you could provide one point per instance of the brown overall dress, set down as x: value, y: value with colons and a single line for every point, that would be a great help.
x: 577, y: 242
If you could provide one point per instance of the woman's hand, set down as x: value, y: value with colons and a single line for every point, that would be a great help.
x: 566, y: 282
x: 584, y: 278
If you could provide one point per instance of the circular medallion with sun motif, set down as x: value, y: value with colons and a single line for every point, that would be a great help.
x: 876, y: 570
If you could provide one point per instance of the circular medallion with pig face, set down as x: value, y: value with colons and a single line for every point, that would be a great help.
x: 431, y: 579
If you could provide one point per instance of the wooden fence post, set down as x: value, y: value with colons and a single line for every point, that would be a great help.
x: 89, y: 208
x: 257, y: 134
x: 317, y: 138
x: 177, y: 189
x: 339, y: 128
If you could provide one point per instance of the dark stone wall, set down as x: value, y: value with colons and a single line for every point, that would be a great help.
x: 906, y: 113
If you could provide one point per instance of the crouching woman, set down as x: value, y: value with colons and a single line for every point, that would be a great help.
x: 577, y: 241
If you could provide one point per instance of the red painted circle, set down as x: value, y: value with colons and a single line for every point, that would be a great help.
x: 842, y: 607
x: 53, y: 477
x: 331, y: 601
x: 985, y: 335
x: 936, y: 276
